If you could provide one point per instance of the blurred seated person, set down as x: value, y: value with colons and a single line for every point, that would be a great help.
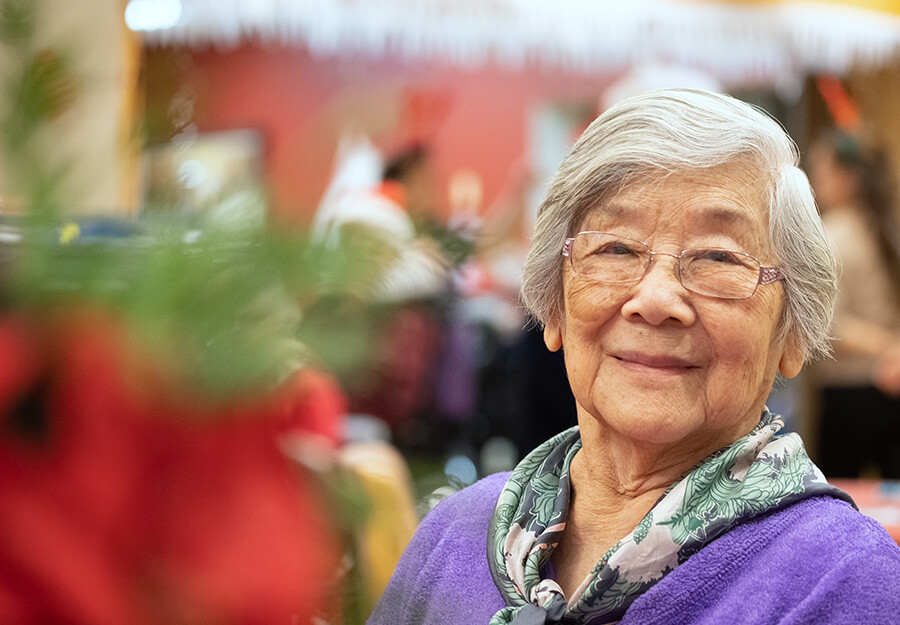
x: 378, y: 223
x: 855, y: 193
x: 679, y: 263
x: 379, y: 220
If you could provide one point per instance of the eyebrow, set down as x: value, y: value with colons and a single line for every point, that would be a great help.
x: 723, y: 214
x: 615, y: 208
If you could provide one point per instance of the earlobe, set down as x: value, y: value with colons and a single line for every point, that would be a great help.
x: 791, y: 359
x: 552, y: 337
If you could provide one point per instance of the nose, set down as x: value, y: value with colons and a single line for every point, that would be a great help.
x: 659, y: 297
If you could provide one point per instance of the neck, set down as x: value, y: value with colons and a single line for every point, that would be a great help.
x: 615, y: 482
x: 612, y: 467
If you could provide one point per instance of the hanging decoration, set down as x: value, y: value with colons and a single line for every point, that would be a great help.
x: 735, y: 42
x: 844, y: 111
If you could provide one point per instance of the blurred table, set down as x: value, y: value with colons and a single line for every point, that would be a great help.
x: 879, y: 499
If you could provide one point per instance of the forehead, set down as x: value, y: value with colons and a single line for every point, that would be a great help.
x: 729, y: 200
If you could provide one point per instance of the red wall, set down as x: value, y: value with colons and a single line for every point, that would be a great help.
x: 471, y: 119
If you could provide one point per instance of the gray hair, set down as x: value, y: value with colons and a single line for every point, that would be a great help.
x: 676, y: 130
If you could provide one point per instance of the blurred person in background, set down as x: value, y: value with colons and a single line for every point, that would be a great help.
x: 394, y: 385
x: 679, y: 263
x: 860, y: 388
x: 381, y: 217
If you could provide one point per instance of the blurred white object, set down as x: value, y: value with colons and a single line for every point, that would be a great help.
x: 357, y: 168
x: 649, y: 76
x: 354, y: 197
x: 362, y: 428
x: 148, y: 15
x: 738, y: 42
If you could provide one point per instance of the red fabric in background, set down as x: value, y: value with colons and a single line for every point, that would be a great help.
x: 129, y: 509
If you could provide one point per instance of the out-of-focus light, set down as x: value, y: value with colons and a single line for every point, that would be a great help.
x: 461, y: 468
x: 193, y: 174
x: 152, y: 14
x: 498, y: 454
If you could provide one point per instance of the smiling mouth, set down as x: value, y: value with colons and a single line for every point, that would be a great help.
x: 669, y: 364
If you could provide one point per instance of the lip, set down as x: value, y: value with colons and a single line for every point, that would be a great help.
x: 662, y: 363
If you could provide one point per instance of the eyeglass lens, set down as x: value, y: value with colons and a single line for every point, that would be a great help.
x: 715, y: 272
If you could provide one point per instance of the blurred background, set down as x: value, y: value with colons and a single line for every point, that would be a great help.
x: 404, y: 146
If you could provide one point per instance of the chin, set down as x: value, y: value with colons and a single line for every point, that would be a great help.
x: 660, y: 436
x: 652, y: 429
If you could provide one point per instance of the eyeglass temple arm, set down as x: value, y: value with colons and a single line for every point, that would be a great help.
x: 768, y: 275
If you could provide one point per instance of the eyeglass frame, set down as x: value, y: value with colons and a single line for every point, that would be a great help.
x: 767, y: 275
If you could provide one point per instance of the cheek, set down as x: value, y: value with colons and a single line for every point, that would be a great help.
x: 588, y: 310
x: 582, y: 349
x: 590, y: 304
x: 744, y: 347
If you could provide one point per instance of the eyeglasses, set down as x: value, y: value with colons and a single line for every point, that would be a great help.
x: 714, y: 272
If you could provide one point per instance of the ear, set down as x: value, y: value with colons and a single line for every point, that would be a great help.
x: 553, y: 337
x: 791, y: 358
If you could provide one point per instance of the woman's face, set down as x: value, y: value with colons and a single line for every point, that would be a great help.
x: 653, y: 361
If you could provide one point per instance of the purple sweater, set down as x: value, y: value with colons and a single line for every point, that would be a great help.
x: 818, y: 561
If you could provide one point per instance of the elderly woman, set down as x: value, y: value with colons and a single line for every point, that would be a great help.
x: 679, y: 262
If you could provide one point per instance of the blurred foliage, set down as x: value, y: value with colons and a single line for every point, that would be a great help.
x: 17, y: 21
x: 227, y: 310
x: 351, y: 506
x: 220, y: 313
x: 38, y: 87
x: 224, y: 311
x: 457, y: 244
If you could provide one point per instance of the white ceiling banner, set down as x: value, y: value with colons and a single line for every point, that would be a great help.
x: 735, y: 42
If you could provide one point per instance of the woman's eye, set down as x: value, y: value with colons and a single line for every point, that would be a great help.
x: 719, y: 256
x: 615, y: 249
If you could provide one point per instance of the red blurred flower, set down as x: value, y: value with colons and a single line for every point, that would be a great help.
x: 122, y: 506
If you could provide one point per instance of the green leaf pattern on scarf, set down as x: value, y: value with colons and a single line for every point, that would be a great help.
x: 759, y: 473
x: 643, y: 528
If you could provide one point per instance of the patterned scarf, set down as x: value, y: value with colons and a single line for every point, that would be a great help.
x: 758, y: 473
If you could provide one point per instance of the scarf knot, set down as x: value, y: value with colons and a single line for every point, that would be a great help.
x: 549, y: 613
